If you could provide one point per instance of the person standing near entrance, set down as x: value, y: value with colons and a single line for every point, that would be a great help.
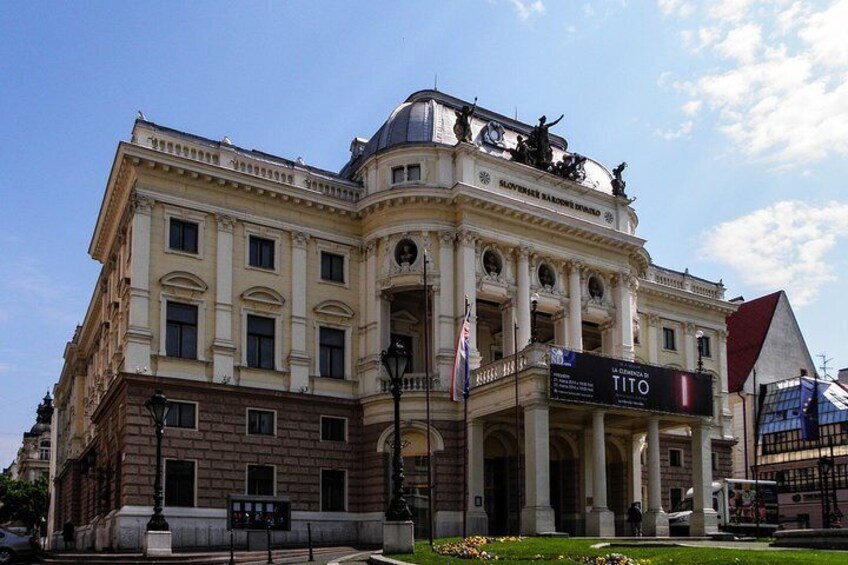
x: 634, y: 518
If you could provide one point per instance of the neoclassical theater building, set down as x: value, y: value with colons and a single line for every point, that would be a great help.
x: 258, y: 292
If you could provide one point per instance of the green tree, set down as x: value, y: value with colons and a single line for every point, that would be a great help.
x: 22, y: 501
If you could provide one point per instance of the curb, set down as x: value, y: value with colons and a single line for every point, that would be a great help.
x: 350, y: 557
x: 379, y: 559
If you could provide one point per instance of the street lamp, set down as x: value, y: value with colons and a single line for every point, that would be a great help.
x: 699, y: 336
x: 395, y: 361
x: 158, y: 407
x: 534, y: 303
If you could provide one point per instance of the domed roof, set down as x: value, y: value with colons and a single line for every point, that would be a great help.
x: 428, y: 116
x: 39, y: 428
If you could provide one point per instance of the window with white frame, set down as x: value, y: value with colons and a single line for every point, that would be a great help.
x: 260, y: 342
x: 332, y: 267
x: 406, y: 173
x: 181, y: 330
x: 183, y: 235
x: 261, y: 252
x: 261, y: 422
x: 675, y: 457
x: 261, y: 479
x: 181, y: 414
x: 331, y: 342
x: 333, y: 429
x: 669, y: 342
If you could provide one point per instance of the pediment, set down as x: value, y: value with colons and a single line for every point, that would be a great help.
x: 403, y: 316
x: 334, y: 308
x: 263, y: 295
x: 182, y: 280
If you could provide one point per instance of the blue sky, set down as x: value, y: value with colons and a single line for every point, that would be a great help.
x: 733, y: 117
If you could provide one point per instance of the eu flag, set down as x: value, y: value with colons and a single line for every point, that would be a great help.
x: 809, y: 409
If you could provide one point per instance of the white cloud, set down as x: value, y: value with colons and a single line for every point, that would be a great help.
x: 692, y: 107
x: 526, y: 8
x: 784, y: 246
x: 678, y: 7
x: 779, y: 83
x: 684, y: 130
x: 741, y: 43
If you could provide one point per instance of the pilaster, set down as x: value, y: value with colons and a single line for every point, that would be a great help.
x: 476, y: 519
x: 522, y: 297
x: 139, y: 335
x: 223, y: 348
x: 575, y: 305
x: 299, y: 361
x: 467, y: 287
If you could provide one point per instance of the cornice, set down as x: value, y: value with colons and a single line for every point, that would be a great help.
x: 651, y: 288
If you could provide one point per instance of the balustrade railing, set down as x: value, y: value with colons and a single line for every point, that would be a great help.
x: 413, y: 382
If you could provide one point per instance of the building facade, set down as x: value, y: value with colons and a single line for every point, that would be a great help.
x: 32, y: 461
x: 258, y: 293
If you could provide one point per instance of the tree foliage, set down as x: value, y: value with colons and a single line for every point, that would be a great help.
x: 23, y: 502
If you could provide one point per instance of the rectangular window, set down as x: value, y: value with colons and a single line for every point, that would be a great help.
x: 332, y: 490
x: 182, y: 236
x: 181, y: 330
x: 675, y: 458
x: 261, y: 252
x: 705, y: 347
x: 398, y: 175
x: 714, y: 457
x: 181, y: 415
x: 413, y: 173
x: 332, y: 352
x: 261, y: 422
x: 675, y: 495
x: 260, y: 479
x: 260, y: 342
x: 333, y: 429
x: 668, y: 339
x: 44, y: 453
x: 179, y: 483
x: 332, y: 267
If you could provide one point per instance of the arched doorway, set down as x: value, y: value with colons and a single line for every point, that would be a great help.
x: 501, y: 483
x: 415, y: 465
x: 617, y: 486
x: 565, y: 487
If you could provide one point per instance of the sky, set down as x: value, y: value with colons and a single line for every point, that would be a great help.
x: 732, y: 116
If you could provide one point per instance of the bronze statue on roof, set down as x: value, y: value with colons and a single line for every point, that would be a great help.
x: 462, y: 127
x: 618, y: 183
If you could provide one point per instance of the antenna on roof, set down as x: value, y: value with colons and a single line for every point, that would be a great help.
x: 823, y: 367
x: 516, y: 113
x: 436, y: 82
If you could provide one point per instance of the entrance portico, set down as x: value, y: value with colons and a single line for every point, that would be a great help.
x: 569, y: 452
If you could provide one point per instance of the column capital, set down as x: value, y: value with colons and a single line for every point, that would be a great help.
x: 299, y: 238
x: 369, y: 247
x: 466, y: 236
x: 447, y: 237
x: 523, y: 252
x: 722, y: 335
x: 560, y: 315
x: 225, y: 222
x: 653, y: 320
x: 572, y: 264
x: 608, y: 325
x: 142, y: 204
x: 690, y: 328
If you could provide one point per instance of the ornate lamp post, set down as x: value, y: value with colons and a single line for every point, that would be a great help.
x: 699, y: 336
x: 534, y: 303
x: 395, y: 361
x: 158, y: 407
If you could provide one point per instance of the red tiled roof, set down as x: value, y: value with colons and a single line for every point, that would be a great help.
x: 746, y: 331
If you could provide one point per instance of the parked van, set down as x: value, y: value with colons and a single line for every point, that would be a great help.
x: 738, y: 506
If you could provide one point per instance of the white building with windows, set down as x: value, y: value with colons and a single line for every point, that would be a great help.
x: 258, y: 292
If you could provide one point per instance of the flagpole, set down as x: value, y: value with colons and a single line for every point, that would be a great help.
x: 427, y: 397
x: 517, y: 425
x: 465, y: 391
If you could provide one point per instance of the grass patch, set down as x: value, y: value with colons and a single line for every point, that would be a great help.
x: 570, y: 551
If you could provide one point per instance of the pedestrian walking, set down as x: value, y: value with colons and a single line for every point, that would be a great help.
x: 634, y: 518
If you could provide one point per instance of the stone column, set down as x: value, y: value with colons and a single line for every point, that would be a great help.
x: 522, y: 297
x: 446, y: 318
x: 653, y: 338
x: 600, y: 522
x: 704, y: 520
x: 560, y: 319
x: 223, y: 348
x: 655, y: 518
x: 537, y: 516
x: 508, y: 325
x: 726, y: 422
x: 139, y: 336
x: 467, y: 288
x: 575, y: 306
x: 637, y: 442
x: 690, y: 348
x: 299, y: 362
x: 477, y: 522
x: 624, y: 314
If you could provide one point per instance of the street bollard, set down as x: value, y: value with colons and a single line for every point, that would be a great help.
x: 232, y: 548
x: 309, y: 539
x: 268, y: 529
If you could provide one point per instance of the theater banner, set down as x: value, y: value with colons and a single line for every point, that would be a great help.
x: 583, y: 377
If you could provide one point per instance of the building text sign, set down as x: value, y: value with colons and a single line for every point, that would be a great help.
x: 544, y: 196
x: 583, y: 377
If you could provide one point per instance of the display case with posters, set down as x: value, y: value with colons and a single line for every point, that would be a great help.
x: 256, y: 512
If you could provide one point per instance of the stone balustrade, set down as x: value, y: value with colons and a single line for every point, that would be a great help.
x: 413, y: 382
